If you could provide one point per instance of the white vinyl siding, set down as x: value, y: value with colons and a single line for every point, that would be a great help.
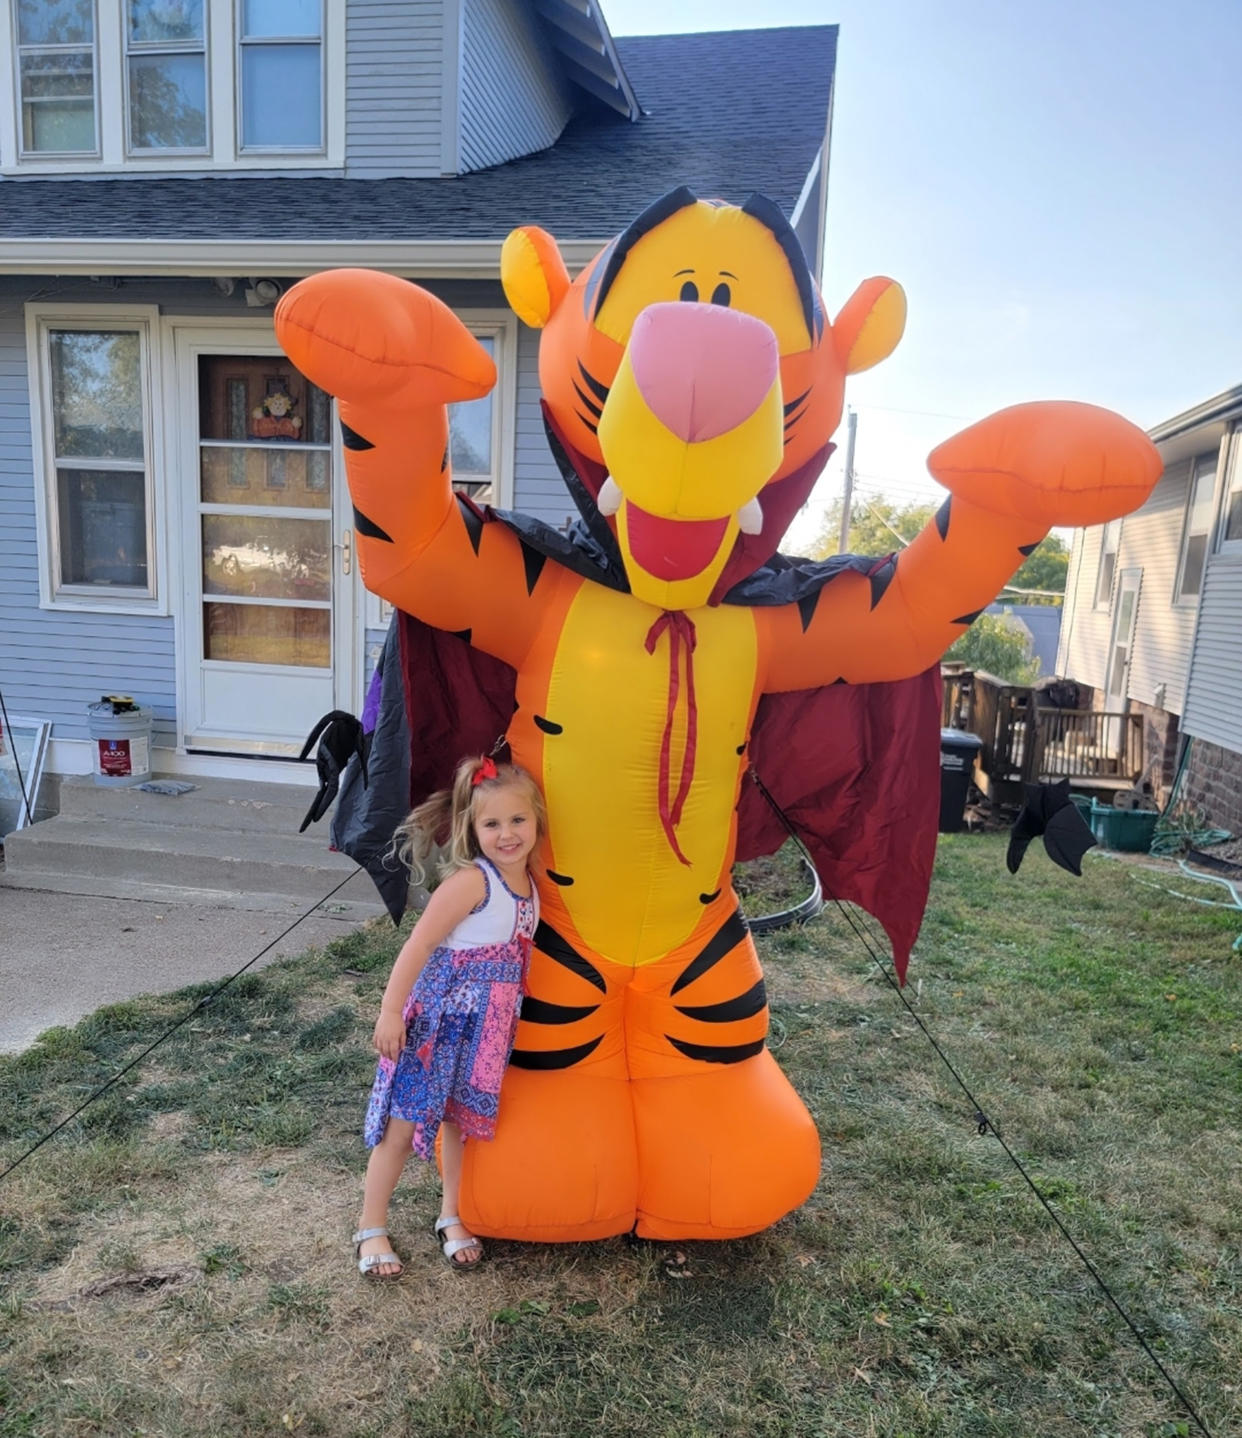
x: 514, y: 100
x: 394, y: 88
x: 1214, y: 701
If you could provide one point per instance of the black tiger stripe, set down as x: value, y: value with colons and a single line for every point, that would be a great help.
x: 966, y: 618
x: 592, y: 408
x: 548, y: 726
x: 548, y: 941
x: 553, y: 1058
x: 726, y: 938
x: 562, y: 880
x: 444, y: 459
x: 473, y: 521
x: 594, y: 428
x: 1029, y: 549
x: 351, y: 439
x: 709, y: 898
x: 461, y: 634
x: 600, y: 391
x: 794, y: 403
x: 881, y: 578
x: 718, y: 1053
x: 942, y: 518
x: 806, y: 608
x: 540, y: 1011
x: 369, y: 527
x: 744, y: 1006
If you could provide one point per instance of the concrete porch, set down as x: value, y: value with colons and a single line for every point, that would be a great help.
x: 228, y: 844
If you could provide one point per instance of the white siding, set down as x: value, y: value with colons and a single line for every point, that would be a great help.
x: 1214, y: 700
x: 394, y: 88
x: 1163, y: 631
x: 514, y: 97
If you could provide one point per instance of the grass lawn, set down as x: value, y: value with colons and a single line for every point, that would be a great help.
x: 176, y: 1262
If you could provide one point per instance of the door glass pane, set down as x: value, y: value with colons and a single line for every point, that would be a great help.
x: 167, y: 102
x: 260, y: 398
x: 96, y: 394
x: 55, y: 22
x: 265, y: 556
x: 264, y: 634
x: 103, y: 527
x: 163, y: 22
x: 297, y: 478
x: 470, y: 431
x: 283, y: 19
x: 280, y: 96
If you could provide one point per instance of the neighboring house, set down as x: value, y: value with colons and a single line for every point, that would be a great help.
x: 1154, y: 609
x: 174, y: 523
x: 1040, y: 626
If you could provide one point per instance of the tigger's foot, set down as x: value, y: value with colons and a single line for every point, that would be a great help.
x: 722, y: 1153
x: 362, y: 335
x: 1053, y: 463
x: 562, y: 1167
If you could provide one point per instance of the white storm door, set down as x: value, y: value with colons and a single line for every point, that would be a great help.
x: 268, y: 612
x: 1120, y: 651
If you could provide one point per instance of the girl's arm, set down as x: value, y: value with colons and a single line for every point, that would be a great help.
x: 453, y: 899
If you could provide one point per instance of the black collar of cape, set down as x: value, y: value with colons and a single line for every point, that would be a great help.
x: 589, y: 549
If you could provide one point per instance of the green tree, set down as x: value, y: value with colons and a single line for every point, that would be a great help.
x: 997, y: 646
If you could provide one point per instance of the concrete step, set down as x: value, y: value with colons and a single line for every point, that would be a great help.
x: 212, y: 804
x: 186, y: 863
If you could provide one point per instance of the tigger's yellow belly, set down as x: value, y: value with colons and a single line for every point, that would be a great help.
x: 631, y: 899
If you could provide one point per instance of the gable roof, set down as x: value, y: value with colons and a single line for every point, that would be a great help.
x: 726, y: 113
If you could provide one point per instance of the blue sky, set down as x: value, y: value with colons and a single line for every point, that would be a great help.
x: 1057, y: 187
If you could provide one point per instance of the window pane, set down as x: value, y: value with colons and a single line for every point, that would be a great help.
x: 1104, y: 589
x: 1233, y: 517
x: 168, y: 102
x: 266, y: 557
x: 280, y: 96
x: 58, y: 102
x: 55, y: 22
x: 300, y: 478
x: 96, y: 394
x: 1192, y: 570
x: 283, y: 19
x: 1200, y: 520
x: 264, y: 634
x: 470, y: 430
x: 103, y: 527
x: 162, y: 22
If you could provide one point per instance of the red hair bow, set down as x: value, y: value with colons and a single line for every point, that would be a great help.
x: 486, y: 770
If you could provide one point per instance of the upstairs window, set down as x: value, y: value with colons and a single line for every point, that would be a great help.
x: 1108, y: 563
x: 56, y: 76
x: 1197, y: 530
x: 1231, y: 526
x: 166, y: 75
x: 280, y: 75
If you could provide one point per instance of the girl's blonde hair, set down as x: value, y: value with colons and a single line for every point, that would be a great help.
x: 447, y: 817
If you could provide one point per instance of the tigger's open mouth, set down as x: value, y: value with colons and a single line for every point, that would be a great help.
x: 673, y: 548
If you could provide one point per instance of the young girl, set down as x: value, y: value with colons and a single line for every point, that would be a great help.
x: 448, y: 1015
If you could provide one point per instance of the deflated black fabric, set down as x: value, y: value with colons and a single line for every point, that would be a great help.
x: 340, y: 738
x: 1048, y: 810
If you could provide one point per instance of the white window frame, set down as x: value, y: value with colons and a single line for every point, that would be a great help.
x: 1191, y: 601
x: 179, y: 47
x: 41, y: 319
x: 1231, y: 548
x: 1104, y: 595
x: 223, y: 105
x: 501, y: 326
x: 240, y: 46
x: 52, y: 159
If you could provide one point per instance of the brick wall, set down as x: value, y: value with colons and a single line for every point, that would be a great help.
x: 1213, y: 782
x: 1160, y: 746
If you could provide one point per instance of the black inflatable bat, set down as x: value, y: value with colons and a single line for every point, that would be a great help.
x: 1048, y: 811
x: 339, y: 735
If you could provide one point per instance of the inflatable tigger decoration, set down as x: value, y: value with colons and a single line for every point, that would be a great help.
x: 692, y: 383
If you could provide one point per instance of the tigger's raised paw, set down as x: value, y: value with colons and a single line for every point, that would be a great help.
x: 361, y: 334
x: 1053, y: 463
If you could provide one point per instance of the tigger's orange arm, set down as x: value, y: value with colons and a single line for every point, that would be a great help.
x: 394, y: 357
x: 1012, y: 476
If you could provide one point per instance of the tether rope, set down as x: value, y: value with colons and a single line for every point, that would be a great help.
x: 985, y: 1125
x: 198, y: 1007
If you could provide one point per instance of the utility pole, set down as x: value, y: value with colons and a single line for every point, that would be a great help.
x: 847, y: 498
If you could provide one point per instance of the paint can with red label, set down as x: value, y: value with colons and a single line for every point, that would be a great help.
x: 120, y: 734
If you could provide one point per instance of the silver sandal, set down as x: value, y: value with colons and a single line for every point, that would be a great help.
x: 452, y: 1246
x: 373, y: 1260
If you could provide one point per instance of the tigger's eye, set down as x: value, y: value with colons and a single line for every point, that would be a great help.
x: 721, y: 295
x: 690, y: 292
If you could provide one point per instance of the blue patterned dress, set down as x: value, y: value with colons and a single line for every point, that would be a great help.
x: 460, y: 1019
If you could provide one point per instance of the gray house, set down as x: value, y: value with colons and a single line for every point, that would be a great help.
x: 1153, y: 616
x: 174, y: 524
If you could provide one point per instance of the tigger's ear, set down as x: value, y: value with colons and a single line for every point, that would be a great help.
x: 533, y: 274
x: 870, y: 324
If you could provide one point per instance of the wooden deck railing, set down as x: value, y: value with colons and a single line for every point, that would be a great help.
x: 1026, y: 743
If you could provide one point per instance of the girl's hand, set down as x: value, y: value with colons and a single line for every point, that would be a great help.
x: 389, y: 1035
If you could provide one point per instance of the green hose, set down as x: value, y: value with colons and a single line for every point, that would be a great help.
x: 1180, y: 829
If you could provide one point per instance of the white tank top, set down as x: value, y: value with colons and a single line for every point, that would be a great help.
x: 499, y: 918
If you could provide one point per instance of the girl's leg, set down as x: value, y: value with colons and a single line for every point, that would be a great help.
x: 383, y: 1170
x: 451, y: 1142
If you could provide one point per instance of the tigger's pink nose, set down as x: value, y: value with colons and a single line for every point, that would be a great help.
x: 703, y: 369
